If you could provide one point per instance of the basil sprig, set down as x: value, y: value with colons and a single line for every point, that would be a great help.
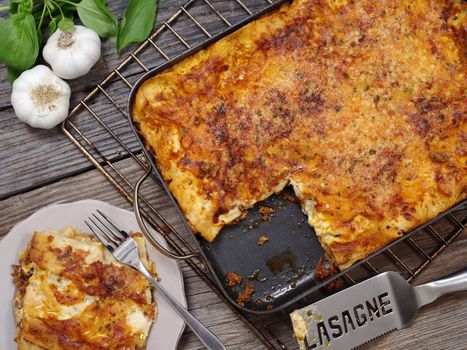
x: 136, y: 24
x: 19, y: 45
x: 95, y: 15
x: 21, y: 32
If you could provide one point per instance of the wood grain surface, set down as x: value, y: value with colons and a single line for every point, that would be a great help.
x: 40, y: 167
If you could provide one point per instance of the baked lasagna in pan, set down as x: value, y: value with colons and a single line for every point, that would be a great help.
x: 72, y: 294
x: 359, y: 105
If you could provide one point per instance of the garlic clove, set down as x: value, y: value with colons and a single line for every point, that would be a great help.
x: 72, y: 54
x: 62, y: 67
x: 50, y: 121
x: 40, y: 98
x: 89, y: 50
x: 81, y: 68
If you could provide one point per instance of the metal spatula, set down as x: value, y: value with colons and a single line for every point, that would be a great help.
x: 368, y: 310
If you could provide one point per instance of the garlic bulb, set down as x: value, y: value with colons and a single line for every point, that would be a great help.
x: 72, y: 54
x: 40, y: 98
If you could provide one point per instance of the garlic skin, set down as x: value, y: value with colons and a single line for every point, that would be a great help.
x: 40, y: 98
x: 72, y: 54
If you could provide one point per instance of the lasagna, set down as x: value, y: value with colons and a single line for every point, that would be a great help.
x: 359, y: 105
x: 72, y: 294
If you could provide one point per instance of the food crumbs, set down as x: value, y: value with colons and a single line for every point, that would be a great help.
x: 265, y: 212
x: 288, y: 197
x: 262, y: 239
x: 245, y: 295
x: 321, y: 272
x: 233, y: 279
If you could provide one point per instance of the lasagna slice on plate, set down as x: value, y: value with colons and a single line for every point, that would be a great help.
x: 72, y: 294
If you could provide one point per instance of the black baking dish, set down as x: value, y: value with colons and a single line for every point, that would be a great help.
x: 282, y: 270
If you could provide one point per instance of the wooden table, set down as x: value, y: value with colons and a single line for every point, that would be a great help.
x: 40, y: 167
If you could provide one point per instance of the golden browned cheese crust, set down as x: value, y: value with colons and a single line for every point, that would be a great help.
x: 359, y: 105
x: 72, y: 294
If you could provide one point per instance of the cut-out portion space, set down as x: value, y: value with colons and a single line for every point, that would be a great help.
x: 273, y: 249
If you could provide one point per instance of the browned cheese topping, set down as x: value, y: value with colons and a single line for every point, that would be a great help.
x: 72, y: 295
x: 359, y: 105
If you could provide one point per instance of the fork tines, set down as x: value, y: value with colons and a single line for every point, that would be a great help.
x: 107, y: 232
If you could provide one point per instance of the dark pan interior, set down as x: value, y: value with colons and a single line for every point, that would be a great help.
x: 280, y: 269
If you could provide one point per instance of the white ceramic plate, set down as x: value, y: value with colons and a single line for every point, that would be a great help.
x: 164, y: 334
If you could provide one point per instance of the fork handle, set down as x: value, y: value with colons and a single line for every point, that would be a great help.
x: 205, y: 335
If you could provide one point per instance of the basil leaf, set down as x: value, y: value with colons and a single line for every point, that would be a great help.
x: 25, y: 6
x: 19, y: 45
x: 13, y: 8
x: 97, y: 16
x: 137, y: 22
x: 52, y: 26
x: 20, y: 6
x: 66, y: 24
x: 68, y: 10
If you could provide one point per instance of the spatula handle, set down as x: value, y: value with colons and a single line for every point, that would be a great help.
x: 427, y: 293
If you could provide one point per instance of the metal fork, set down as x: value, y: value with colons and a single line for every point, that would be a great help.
x: 123, y: 247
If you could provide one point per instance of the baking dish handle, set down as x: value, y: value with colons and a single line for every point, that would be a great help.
x: 142, y: 224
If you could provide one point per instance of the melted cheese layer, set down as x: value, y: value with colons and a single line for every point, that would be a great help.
x: 77, y: 296
x: 360, y: 105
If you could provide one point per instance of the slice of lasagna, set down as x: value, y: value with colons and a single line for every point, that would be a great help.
x: 359, y: 105
x: 72, y: 294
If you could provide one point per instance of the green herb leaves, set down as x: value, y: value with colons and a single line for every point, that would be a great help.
x: 135, y: 26
x: 95, y: 15
x: 137, y: 22
x: 21, y: 33
x: 19, y: 46
x: 65, y: 24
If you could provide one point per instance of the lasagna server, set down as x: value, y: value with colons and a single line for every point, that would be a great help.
x: 283, y: 269
x: 369, y: 310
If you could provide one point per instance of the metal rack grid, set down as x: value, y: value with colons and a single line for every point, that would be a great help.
x: 98, y: 127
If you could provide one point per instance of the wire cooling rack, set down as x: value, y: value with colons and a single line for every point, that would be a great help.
x: 98, y: 126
